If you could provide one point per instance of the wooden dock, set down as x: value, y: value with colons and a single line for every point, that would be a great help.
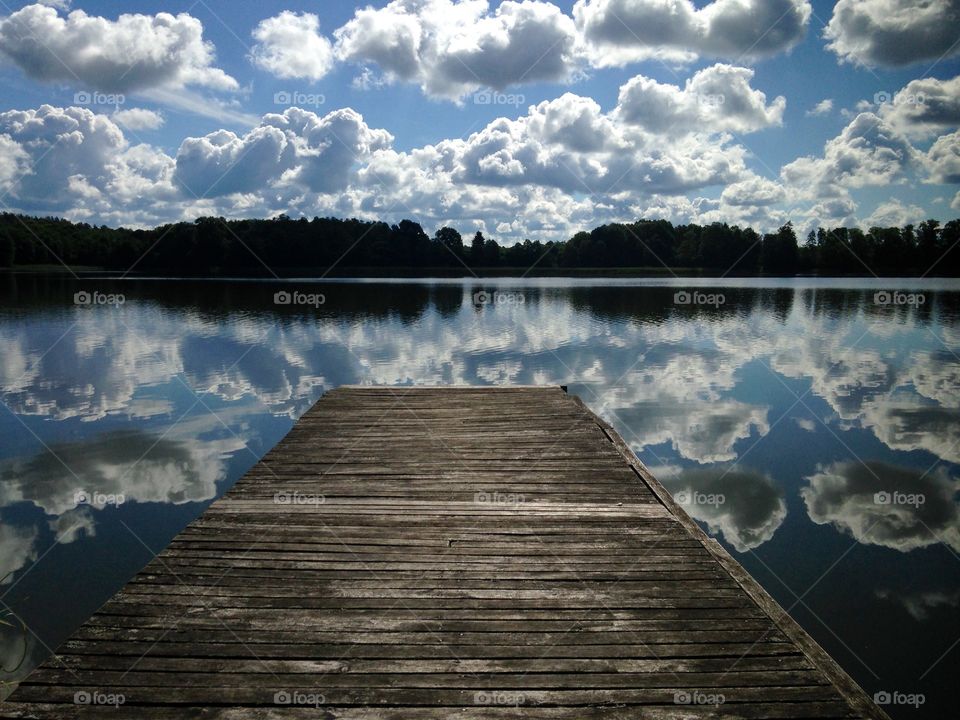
x: 433, y: 553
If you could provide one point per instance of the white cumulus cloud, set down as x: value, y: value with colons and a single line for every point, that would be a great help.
x: 297, y: 147
x: 138, y: 119
x: 867, y: 152
x: 715, y: 99
x: 755, y: 191
x: 943, y: 159
x: 893, y: 32
x: 894, y: 213
x: 453, y: 47
x: 77, y: 161
x: 133, y: 52
x: 617, y: 32
x: 824, y: 107
x: 291, y: 46
x: 924, y: 107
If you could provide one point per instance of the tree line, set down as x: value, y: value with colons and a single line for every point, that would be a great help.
x: 258, y: 247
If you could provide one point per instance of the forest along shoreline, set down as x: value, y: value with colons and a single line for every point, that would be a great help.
x: 285, y: 247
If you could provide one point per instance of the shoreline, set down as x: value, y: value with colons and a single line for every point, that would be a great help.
x: 348, y: 273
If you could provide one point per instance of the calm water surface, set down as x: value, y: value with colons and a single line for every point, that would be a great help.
x: 828, y: 424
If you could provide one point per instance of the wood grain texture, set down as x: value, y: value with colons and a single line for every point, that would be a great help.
x: 443, y: 553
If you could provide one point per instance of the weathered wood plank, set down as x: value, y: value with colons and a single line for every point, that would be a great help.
x: 771, y: 711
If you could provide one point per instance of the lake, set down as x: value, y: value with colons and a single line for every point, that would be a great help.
x: 811, y: 426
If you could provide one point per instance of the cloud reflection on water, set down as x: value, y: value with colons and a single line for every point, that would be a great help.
x: 746, y: 507
x: 882, y: 504
x: 665, y: 375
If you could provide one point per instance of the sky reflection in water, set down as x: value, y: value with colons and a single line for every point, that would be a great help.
x: 798, y: 405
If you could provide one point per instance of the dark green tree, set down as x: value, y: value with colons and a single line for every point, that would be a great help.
x: 476, y: 248
x: 780, y: 252
x: 491, y: 253
x: 928, y: 241
x: 8, y: 249
x: 451, y: 240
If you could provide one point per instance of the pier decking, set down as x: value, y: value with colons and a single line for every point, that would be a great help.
x: 438, y: 553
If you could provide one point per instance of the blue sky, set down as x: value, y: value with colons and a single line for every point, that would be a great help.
x: 626, y: 111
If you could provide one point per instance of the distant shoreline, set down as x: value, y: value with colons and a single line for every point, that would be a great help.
x: 282, y: 247
x: 87, y: 273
